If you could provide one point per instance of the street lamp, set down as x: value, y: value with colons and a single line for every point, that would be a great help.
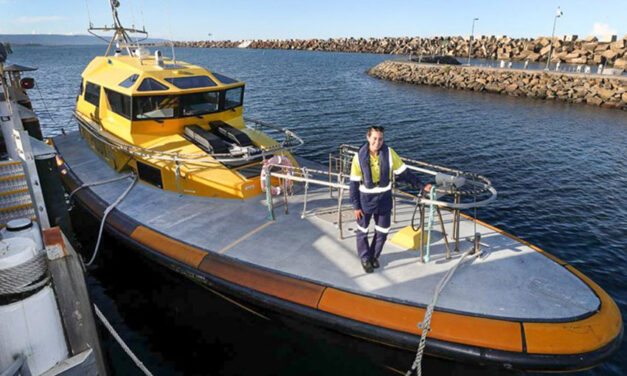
x: 558, y: 14
x: 472, y: 34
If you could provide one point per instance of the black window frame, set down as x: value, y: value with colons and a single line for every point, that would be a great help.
x: 147, y: 80
x: 129, y: 81
x: 227, y: 80
x: 87, y: 94
x: 178, y: 110
x: 177, y: 82
x: 223, y: 100
x: 218, y: 104
x: 175, y: 115
x: 128, y: 116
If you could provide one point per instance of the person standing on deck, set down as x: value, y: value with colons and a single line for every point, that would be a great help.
x: 371, y: 193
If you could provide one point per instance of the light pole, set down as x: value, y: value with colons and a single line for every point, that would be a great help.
x: 558, y: 14
x: 472, y: 34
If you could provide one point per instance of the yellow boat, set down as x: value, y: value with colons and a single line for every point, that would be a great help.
x: 200, y: 211
x: 176, y: 125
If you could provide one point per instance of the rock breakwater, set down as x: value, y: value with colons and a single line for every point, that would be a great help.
x: 608, y: 92
x: 566, y: 49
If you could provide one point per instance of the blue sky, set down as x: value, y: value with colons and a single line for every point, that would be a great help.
x: 280, y: 19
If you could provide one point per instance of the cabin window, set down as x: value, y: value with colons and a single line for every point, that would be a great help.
x: 224, y: 79
x: 233, y: 97
x: 80, y: 89
x: 129, y: 81
x: 191, y: 82
x: 92, y: 93
x: 149, y: 174
x: 120, y: 103
x: 148, y: 84
x: 200, y: 103
x: 155, y: 107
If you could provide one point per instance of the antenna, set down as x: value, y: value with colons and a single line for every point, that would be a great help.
x: 88, y: 14
x: 167, y: 15
x: 121, y: 33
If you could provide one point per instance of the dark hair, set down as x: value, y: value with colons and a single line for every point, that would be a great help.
x: 376, y: 128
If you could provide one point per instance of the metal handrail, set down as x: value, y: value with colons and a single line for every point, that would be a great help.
x: 402, y: 195
x: 302, y: 175
x: 291, y: 142
x: 482, y: 183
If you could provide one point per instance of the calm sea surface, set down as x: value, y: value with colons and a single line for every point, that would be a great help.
x: 560, y: 170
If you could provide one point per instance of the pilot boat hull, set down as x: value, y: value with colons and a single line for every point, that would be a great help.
x: 559, y: 333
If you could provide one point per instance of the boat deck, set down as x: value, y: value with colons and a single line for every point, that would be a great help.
x: 510, y: 281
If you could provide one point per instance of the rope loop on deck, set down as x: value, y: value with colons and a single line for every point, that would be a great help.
x: 100, y: 182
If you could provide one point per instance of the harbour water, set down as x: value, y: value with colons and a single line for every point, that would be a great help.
x: 560, y: 169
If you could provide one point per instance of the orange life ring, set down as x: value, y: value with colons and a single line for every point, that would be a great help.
x: 265, y: 170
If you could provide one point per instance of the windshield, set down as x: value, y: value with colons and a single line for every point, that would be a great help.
x: 155, y: 107
x: 200, y: 103
x: 151, y: 107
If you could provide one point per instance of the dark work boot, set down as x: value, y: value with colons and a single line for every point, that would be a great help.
x: 367, y: 265
x: 375, y: 263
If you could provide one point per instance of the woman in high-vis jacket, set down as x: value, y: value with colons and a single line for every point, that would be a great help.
x: 371, y: 193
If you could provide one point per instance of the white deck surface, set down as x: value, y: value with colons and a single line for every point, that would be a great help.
x: 510, y: 281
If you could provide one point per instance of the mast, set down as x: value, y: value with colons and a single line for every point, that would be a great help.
x: 121, y: 33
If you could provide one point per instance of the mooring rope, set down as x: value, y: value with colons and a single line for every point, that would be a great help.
x: 121, y: 342
x: 104, y: 218
x: 426, y: 322
x: 49, y: 113
x: 100, y: 182
x: 432, y: 196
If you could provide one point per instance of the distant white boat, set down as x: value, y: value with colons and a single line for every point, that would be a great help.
x: 245, y: 44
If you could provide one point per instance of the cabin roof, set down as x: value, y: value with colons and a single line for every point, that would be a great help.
x: 112, y: 71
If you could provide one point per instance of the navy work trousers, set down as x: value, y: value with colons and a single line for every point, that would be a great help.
x: 382, y: 227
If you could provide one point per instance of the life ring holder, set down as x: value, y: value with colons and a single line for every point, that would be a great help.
x: 277, y: 160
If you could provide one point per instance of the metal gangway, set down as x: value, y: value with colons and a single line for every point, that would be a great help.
x: 454, y: 190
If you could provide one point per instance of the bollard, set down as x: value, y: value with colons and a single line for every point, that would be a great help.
x: 477, y: 245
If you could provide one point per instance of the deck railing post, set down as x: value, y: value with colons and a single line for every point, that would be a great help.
x: 178, y: 174
x: 285, y: 184
x: 306, y: 175
x: 448, y: 248
x: 330, y: 171
x: 269, y: 197
x: 456, y: 223
x: 422, y: 233
x: 340, y: 180
x: 393, y: 199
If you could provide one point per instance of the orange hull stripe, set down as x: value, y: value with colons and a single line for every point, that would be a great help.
x: 489, y: 333
x: 580, y: 336
x: 181, y: 252
x: 576, y: 337
x: 294, y: 290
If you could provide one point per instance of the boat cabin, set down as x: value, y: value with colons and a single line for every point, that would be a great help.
x: 178, y: 126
